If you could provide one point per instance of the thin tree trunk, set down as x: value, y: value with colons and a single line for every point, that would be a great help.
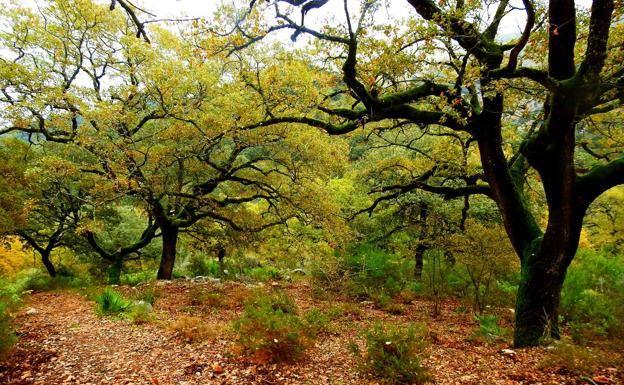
x: 220, y: 258
x: 170, y: 240
x: 418, y: 259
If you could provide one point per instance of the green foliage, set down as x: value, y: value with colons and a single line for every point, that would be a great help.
x: 488, y: 328
x: 136, y: 278
x: 265, y: 273
x: 318, y: 321
x: 271, y: 330
x: 571, y: 357
x: 593, y: 294
x: 7, y: 335
x: 197, y: 265
x: 147, y: 295
x: 393, y: 354
x: 140, y: 312
x: 111, y: 302
x: 364, y: 272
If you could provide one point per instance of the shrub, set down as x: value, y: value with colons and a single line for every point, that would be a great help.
x: 572, y: 358
x: 111, y: 302
x: 198, y: 265
x: 194, y: 329
x: 264, y: 274
x: 147, y: 295
x: 140, y: 312
x: 394, y: 353
x: 136, y: 278
x: 592, y: 296
x: 271, y: 330
x: 488, y: 328
x: 7, y: 335
x: 200, y: 296
x: 363, y: 272
x: 317, y: 321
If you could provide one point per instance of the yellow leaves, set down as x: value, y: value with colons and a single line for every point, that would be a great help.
x: 13, y: 256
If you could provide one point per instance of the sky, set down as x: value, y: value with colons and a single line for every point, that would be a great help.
x: 511, y: 25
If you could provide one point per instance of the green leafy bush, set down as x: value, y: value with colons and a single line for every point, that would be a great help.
x: 7, y: 335
x: 488, y: 328
x: 147, y: 294
x: 364, y: 272
x: 271, y: 330
x: 572, y: 358
x: 140, y: 312
x: 197, y: 265
x: 393, y: 354
x: 111, y: 302
x: 264, y: 274
x: 592, y: 296
x: 136, y: 278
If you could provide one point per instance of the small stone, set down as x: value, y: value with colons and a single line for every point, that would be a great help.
x: 217, y: 369
x: 508, y: 352
x: 32, y: 311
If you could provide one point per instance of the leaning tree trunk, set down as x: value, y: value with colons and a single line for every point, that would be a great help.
x: 169, y: 242
x: 45, y: 258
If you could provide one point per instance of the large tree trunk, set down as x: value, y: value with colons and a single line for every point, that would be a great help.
x: 114, y: 272
x: 169, y: 241
x: 45, y: 258
x: 537, y: 302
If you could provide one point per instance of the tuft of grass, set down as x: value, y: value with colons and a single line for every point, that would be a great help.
x: 194, y: 329
x: 140, y: 312
x: 111, y: 302
x: 393, y: 354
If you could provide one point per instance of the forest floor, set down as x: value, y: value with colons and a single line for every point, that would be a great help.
x: 63, y: 341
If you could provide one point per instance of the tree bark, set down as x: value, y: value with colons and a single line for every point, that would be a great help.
x: 45, y: 258
x: 537, y: 302
x: 220, y: 258
x: 418, y: 259
x: 169, y: 242
x: 114, y: 272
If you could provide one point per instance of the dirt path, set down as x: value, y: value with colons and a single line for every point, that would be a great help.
x: 63, y: 341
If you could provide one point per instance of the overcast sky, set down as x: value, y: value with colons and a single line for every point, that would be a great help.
x: 512, y: 24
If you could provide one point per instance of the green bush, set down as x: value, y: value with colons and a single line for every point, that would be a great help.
x: 317, y: 321
x: 136, y: 278
x: 488, y: 328
x: 572, y: 358
x: 111, y: 302
x: 363, y: 272
x: 394, y: 353
x: 147, y: 295
x: 7, y: 335
x: 140, y: 312
x: 592, y: 296
x: 199, y: 266
x: 271, y: 330
x: 264, y: 274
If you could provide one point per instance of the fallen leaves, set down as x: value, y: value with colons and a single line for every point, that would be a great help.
x: 65, y: 342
